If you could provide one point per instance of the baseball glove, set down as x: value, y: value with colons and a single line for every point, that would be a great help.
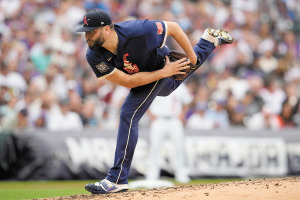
x: 174, y: 56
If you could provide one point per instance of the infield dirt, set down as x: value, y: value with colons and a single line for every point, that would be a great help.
x: 262, y: 189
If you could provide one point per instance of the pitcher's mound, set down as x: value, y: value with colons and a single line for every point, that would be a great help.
x: 267, y: 189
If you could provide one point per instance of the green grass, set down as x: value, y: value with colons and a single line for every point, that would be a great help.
x: 17, y: 190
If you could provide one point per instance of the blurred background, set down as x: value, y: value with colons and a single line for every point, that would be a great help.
x: 244, y: 92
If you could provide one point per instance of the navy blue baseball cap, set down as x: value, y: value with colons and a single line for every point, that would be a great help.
x: 94, y: 19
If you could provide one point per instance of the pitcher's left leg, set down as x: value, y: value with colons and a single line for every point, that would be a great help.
x: 134, y: 107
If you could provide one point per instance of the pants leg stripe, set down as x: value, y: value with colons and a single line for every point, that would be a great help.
x: 130, y: 128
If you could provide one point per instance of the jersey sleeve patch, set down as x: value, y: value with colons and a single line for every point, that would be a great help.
x: 160, y: 28
x: 102, y: 67
x: 98, y: 63
x: 155, y: 33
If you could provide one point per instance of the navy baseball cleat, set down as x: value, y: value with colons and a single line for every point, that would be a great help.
x: 218, y: 37
x: 105, y: 186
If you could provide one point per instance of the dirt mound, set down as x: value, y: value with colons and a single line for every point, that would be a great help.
x: 279, y: 189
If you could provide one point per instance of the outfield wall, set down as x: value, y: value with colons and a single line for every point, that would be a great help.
x: 43, y: 155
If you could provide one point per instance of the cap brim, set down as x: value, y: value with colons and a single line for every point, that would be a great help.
x: 85, y: 29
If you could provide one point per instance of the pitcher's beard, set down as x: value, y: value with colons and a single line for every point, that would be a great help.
x: 96, y: 44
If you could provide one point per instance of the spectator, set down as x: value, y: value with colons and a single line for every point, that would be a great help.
x: 289, y: 109
x: 41, y: 56
x: 199, y: 120
x: 22, y: 120
x: 252, y: 103
x: 236, y: 111
x: 272, y: 95
x: 8, y: 114
x: 44, y: 108
x: 262, y: 120
x: 12, y: 79
x: 217, y: 114
x: 88, y: 115
x: 63, y: 119
x: 268, y: 63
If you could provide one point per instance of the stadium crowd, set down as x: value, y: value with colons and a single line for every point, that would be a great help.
x: 45, y: 81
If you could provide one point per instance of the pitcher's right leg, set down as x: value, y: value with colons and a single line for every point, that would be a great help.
x: 209, y: 41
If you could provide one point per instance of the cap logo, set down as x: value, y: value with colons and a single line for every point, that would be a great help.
x: 85, y: 21
x: 102, y: 23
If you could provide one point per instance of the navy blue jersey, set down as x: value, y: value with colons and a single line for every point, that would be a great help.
x: 141, y: 48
